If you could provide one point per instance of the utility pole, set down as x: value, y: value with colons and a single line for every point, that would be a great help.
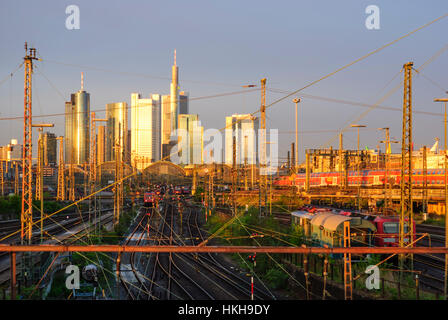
x: 246, y: 146
x: 71, y: 170
x: 93, y: 167
x: 193, y: 188
x: 307, y: 171
x: 234, y: 173
x: 407, y: 214
x: 445, y: 289
x: 39, y: 166
x: 39, y: 174
x: 262, y: 171
x: 425, y: 183
x: 26, y: 216
x: 293, y: 160
x: 342, y: 170
x: 2, y: 178
x: 296, y: 157
x: 213, y: 186
x: 387, y: 142
x: 118, y: 194
x: 16, y: 178
x: 61, y: 167
x: 386, y: 165
x: 358, y: 167
x: 347, y: 263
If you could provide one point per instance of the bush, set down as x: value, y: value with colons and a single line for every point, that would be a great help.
x: 277, y: 278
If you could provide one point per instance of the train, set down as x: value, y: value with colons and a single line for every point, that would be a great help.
x: 149, y: 199
x: 366, y: 178
x: 324, y: 227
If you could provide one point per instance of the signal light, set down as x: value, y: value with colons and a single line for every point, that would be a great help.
x: 251, y: 258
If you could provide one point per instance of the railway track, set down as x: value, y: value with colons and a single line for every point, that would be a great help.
x: 209, y: 261
x: 180, y: 284
x: 182, y: 275
x: 129, y: 288
x: 55, y: 231
x: 431, y: 265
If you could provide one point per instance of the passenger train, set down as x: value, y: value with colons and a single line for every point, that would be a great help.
x: 435, y: 177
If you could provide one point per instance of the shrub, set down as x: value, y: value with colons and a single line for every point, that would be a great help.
x: 277, y: 278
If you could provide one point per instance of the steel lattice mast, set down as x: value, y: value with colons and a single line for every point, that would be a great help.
x: 27, y: 174
x: 406, y: 214
x: 262, y: 156
x: 61, y: 167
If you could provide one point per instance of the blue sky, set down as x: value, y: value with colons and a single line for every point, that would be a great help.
x: 222, y: 45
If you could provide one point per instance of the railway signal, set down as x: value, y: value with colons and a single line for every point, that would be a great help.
x: 252, y: 258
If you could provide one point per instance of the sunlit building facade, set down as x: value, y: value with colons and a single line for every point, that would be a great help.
x: 190, y: 139
x: 244, y: 128
x: 145, y: 130
x: 77, y: 128
x: 116, y: 130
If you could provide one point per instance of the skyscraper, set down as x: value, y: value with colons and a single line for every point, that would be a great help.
x: 244, y: 128
x: 117, y: 129
x: 172, y: 105
x: 145, y: 130
x: 49, y: 148
x: 190, y: 139
x: 77, y: 127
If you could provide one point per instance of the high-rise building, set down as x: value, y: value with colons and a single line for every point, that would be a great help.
x: 12, y: 151
x: 190, y: 139
x: 117, y: 129
x: 101, y: 142
x: 183, y: 102
x: 49, y: 144
x: 172, y: 105
x: 77, y: 127
x: 145, y: 130
x: 244, y: 128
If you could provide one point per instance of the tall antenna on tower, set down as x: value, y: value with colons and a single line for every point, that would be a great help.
x: 82, y: 81
x: 174, y: 56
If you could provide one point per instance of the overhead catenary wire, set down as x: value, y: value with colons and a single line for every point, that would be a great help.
x: 343, y: 67
x: 290, y: 94
x: 218, y: 95
x: 357, y: 104
x: 143, y: 75
x: 387, y: 95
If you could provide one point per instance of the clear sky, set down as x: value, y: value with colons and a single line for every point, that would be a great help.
x: 127, y: 46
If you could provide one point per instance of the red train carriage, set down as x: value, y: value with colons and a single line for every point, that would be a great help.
x: 149, y: 199
x: 435, y: 177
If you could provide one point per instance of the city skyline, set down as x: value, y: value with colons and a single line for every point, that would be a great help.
x: 224, y: 151
x: 302, y: 62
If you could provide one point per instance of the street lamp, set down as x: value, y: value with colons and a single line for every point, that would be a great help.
x: 445, y: 100
x: 296, y: 164
x: 358, y: 165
